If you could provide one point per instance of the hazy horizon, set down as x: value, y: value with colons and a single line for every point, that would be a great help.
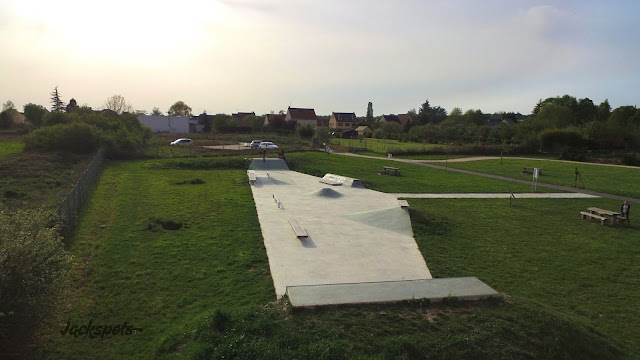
x: 248, y: 55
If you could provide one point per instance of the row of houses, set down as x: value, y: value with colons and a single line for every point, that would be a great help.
x: 338, y: 121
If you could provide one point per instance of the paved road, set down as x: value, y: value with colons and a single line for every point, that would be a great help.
x: 479, y: 158
x: 498, y: 177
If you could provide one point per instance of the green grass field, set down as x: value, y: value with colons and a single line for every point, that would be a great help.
x: 382, y: 146
x: 413, y: 179
x: 204, y: 291
x: 129, y: 268
x: 607, y: 179
x: 10, y: 147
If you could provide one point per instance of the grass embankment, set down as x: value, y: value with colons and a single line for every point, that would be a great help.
x: 10, y: 147
x: 608, y: 179
x: 32, y: 179
x: 204, y: 291
x: 413, y: 179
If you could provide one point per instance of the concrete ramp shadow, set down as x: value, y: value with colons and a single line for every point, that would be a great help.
x: 392, y: 219
x: 326, y: 193
x: 268, y: 164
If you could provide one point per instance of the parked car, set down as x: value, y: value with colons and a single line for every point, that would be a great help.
x: 267, y: 145
x: 255, y: 143
x: 181, y: 141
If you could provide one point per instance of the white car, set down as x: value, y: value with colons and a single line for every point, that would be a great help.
x: 255, y: 143
x: 267, y: 145
x: 181, y: 141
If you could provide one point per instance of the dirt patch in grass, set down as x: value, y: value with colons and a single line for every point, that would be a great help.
x: 190, y: 182
x: 156, y: 223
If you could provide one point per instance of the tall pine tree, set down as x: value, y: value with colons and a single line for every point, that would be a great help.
x: 56, y: 104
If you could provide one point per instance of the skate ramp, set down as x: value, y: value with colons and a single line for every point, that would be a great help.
x: 393, y: 219
x: 464, y: 288
x: 326, y: 193
x: 268, y: 164
x: 345, y: 181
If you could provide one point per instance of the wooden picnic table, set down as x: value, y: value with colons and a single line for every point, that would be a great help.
x: 602, y: 212
x: 388, y: 170
x: 529, y: 170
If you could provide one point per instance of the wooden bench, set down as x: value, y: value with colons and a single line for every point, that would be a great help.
x: 595, y: 216
x: 298, y: 229
x: 252, y: 177
x: 529, y: 170
x: 602, y: 212
x: 388, y: 170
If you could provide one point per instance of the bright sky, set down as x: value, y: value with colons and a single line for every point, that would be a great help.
x: 332, y: 55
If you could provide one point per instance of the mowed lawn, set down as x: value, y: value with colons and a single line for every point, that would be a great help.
x: 10, y: 147
x: 413, y: 179
x: 204, y: 291
x: 158, y: 279
x: 540, y: 251
x: 608, y: 179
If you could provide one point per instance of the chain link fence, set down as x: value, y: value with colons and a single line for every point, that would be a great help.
x: 69, y: 207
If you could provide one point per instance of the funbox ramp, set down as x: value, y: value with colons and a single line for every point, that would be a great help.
x: 463, y: 288
x: 268, y: 164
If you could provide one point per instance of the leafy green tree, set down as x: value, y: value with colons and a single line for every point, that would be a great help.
x: 474, y: 117
x: 8, y: 105
x: 369, y: 117
x: 6, y: 119
x: 180, y: 109
x: 306, y: 131
x: 34, y: 113
x: 56, y: 103
x: 156, y: 112
x: 604, y: 111
x: 586, y: 111
x: 621, y: 116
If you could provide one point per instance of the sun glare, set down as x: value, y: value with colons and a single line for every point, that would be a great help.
x: 124, y: 27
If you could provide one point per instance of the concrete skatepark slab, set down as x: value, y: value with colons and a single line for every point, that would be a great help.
x: 347, y: 241
x: 355, y: 236
x: 465, y: 288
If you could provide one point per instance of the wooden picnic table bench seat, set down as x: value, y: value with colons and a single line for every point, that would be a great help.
x: 592, y: 215
x: 252, y: 177
x: 529, y: 170
x: 388, y: 170
x: 602, y: 212
x: 298, y: 229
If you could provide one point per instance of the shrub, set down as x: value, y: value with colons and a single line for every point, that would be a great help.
x: 77, y: 137
x: 306, y: 131
x: 561, y: 139
x: 33, y: 265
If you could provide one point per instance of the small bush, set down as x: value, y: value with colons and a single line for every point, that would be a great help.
x: 79, y: 138
x: 33, y: 268
x: 631, y: 159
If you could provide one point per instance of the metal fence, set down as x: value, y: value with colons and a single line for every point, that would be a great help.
x: 69, y: 207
